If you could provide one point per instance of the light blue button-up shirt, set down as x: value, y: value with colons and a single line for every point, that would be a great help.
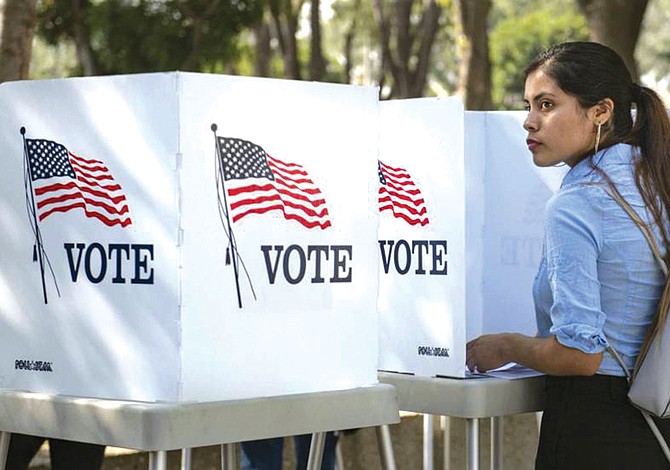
x: 598, y: 281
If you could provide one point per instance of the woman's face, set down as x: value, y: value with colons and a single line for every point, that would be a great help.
x: 559, y: 129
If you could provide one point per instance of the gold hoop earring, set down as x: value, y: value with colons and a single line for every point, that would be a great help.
x: 600, y: 124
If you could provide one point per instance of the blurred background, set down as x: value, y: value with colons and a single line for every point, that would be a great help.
x: 477, y: 49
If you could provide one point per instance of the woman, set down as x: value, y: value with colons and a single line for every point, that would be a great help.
x: 598, y: 284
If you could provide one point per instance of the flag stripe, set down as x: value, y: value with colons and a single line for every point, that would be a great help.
x: 106, y: 187
x: 42, y: 190
x: 394, y: 202
x: 89, y: 213
x: 400, y: 196
x: 295, y: 187
x: 268, y: 187
x: 275, y: 197
x: 94, y: 202
x: 287, y: 215
x: 400, y: 215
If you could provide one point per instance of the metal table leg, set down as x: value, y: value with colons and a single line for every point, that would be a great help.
x: 445, y: 424
x: 427, y: 442
x: 186, y: 459
x: 385, y: 446
x: 228, y: 457
x: 496, y: 443
x: 316, y: 451
x: 339, y: 458
x: 472, y: 428
x: 158, y: 460
x: 4, y: 448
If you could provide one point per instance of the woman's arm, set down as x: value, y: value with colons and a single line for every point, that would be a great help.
x: 542, y: 354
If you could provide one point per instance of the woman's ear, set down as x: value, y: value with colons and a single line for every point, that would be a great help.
x: 601, y: 113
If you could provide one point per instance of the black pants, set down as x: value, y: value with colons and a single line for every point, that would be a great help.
x: 65, y: 455
x: 588, y: 423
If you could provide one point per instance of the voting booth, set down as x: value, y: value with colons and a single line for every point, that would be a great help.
x: 469, y: 269
x: 180, y: 236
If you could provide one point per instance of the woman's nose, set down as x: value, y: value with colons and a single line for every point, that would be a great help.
x: 530, y: 123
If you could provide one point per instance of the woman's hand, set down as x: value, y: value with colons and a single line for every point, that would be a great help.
x: 542, y: 354
x: 487, y: 352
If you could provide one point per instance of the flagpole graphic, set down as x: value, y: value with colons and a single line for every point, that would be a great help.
x: 38, y: 249
x: 231, y: 240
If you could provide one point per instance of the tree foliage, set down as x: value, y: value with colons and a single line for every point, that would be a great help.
x: 521, y: 34
x: 653, y: 51
x: 125, y: 36
x: 354, y: 41
x: 396, y: 44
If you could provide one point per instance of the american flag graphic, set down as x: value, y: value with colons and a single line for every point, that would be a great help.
x: 257, y: 183
x: 63, y: 181
x: 399, y: 194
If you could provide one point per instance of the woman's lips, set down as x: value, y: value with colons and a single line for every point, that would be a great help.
x: 532, y: 144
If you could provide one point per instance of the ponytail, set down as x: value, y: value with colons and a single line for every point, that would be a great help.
x: 651, y: 133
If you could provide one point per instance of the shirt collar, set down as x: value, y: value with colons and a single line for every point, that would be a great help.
x: 616, y: 155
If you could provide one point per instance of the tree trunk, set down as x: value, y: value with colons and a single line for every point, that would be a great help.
x: 198, y: 19
x: 285, y: 15
x: 349, y: 42
x: 82, y: 38
x: 428, y: 27
x: 617, y: 24
x: 408, y: 63
x: 475, y: 68
x: 316, y: 62
x: 16, y: 44
x: 263, y: 49
x: 384, y: 26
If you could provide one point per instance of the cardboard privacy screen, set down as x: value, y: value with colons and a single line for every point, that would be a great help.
x: 183, y: 236
x: 467, y: 267
x: 505, y: 201
x: 422, y: 236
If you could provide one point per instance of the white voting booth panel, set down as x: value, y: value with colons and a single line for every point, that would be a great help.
x: 422, y: 288
x: 144, y: 258
x: 505, y: 201
x: 486, y: 198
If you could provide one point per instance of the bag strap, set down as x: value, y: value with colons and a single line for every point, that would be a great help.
x: 644, y: 228
x: 612, y: 191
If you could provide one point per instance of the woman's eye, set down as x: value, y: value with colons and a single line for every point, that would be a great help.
x: 546, y: 104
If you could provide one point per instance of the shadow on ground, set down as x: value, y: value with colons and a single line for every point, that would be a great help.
x: 359, y: 448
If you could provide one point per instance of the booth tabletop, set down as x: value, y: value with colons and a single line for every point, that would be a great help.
x: 166, y: 426
x: 481, y: 397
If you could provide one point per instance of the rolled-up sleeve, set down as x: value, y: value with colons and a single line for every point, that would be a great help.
x: 573, y: 242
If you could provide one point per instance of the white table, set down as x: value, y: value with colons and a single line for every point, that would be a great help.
x: 159, y: 427
x: 472, y: 399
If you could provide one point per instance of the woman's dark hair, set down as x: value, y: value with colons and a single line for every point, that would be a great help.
x: 592, y: 72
